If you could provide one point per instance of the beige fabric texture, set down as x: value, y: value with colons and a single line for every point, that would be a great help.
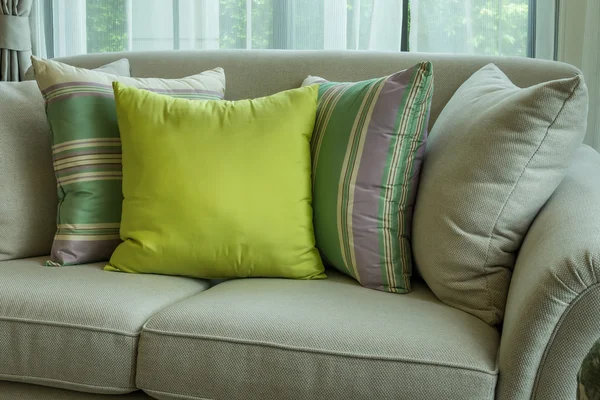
x: 28, y: 197
x: 24, y: 391
x: 246, y: 77
x: 119, y: 67
x: 536, y: 300
x: 78, y: 327
x: 494, y: 156
x: 552, y: 310
x: 49, y: 73
x: 27, y: 183
x: 329, y: 339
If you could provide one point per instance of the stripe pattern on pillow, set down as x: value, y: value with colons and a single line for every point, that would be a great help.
x: 367, y: 150
x: 88, y: 172
x: 81, y: 111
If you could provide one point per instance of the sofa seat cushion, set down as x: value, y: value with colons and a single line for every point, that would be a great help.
x: 329, y: 339
x: 78, y: 327
x: 26, y: 391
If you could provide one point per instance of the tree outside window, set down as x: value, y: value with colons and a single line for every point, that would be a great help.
x: 489, y: 27
x: 106, y: 25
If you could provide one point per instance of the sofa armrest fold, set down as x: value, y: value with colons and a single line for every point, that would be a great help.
x: 551, y: 318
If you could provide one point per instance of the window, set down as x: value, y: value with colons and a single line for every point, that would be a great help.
x: 477, y: 26
x: 106, y: 25
x: 492, y: 27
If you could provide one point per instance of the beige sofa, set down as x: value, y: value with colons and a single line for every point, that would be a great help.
x: 81, y: 333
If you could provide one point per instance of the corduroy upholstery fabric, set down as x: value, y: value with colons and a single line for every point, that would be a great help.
x: 27, y: 182
x: 24, y: 391
x: 331, y: 339
x: 78, y: 327
x: 551, y: 315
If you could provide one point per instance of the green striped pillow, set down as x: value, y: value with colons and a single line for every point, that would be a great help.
x: 367, y: 149
x: 80, y: 108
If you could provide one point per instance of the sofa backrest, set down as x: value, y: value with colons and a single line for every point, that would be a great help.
x: 255, y: 73
x: 27, y: 185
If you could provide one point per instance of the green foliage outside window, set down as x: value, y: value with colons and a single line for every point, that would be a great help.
x: 488, y: 27
x: 106, y: 25
x: 232, y: 21
x: 510, y: 29
x: 482, y: 27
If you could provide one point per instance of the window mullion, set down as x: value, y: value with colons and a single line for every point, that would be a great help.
x: 248, y: 24
x: 176, y: 38
x: 532, y: 31
x: 404, y: 42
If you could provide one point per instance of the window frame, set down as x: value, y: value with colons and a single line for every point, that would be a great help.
x: 543, y: 38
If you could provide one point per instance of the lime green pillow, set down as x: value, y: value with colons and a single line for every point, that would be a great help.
x: 217, y: 189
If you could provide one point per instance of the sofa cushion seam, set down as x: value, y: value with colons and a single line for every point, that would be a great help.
x: 71, y: 326
x: 193, y: 397
x: 180, y: 395
x: 557, y: 327
x: 319, y: 351
x: 510, y: 195
x: 23, y: 378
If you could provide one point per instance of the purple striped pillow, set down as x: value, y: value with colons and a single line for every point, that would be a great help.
x: 80, y: 108
x: 367, y: 149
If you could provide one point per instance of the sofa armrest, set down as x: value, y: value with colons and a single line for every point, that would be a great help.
x: 551, y: 318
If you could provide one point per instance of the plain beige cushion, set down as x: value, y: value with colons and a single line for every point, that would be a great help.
x: 78, y: 327
x: 494, y: 156
x: 552, y: 309
x: 322, y: 339
x: 28, y: 197
x: 119, y: 67
x: 27, y: 184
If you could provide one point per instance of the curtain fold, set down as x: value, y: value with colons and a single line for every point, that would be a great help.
x: 15, y: 39
x: 38, y: 28
x: 496, y: 27
x: 89, y: 26
x: 591, y: 70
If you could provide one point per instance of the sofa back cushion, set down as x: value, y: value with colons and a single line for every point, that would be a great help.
x: 257, y: 73
x: 217, y: 189
x: 21, y: 227
x: 367, y: 149
x: 27, y: 184
x: 86, y: 150
x: 494, y: 157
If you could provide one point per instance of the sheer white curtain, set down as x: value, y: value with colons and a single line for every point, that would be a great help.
x: 591, y: 70
x: 579, y: 44
x: 490, y: 27
x: 498, y: 27
x: 68, y: 27
x: 502, y: 27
